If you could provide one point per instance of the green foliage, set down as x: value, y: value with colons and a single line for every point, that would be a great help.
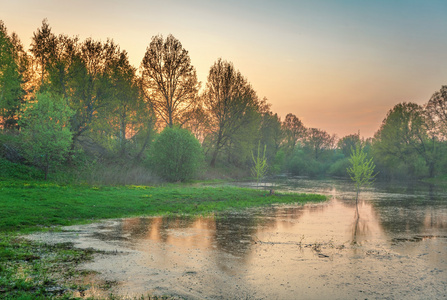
x: 259, y: 170
x: 362, y: 168
x: 339, y: 167
x: 303, y: 164
x: 278, y: 162
x: 233, y: 109
x: 348, y: 142
x: 18, y: 171
x: 176, y: 154
x: 45, y: 131
x: 12, y: 62
x: 404, y: 138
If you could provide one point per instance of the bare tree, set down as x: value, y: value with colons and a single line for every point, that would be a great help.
x: 228, y: 100
x: 294, y: 131
x: 169, y: 80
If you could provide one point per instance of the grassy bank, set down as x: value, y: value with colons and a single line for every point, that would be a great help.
x: 27, y: 206
x: 30, y: 270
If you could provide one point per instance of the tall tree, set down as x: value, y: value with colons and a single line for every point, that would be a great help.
x: 42, y: 47
x: 91, y: 90
x: 318, y: 140
x: 13, y: 69
x: 437, y: 111
x: 294, y: 131
x: 169, y: 80
x: 228, y: 100
x: 347, y: 143
x: 45, y: 130
x: 404, y: 135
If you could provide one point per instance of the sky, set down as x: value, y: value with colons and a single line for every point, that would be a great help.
x: 337, y: 65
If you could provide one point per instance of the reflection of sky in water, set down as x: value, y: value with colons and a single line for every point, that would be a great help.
x: 396, y: 249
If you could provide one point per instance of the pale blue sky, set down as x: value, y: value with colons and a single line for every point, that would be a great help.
x: 337, y: 65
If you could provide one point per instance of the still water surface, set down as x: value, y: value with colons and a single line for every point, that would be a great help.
x: 397, y: 249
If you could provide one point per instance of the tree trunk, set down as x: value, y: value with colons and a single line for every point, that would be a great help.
x: 357, y: 202
x: 216, y: 150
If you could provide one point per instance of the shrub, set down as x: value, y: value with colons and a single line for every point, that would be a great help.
x: 176, y: 154
x: 339, y: 167
x: 303, y: 165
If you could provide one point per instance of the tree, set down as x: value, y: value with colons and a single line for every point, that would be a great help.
x: 42, y: 46
x: 318, y: 140
x: 176, y: 154
x: 436, y: 109
x: 294, y: 131
x: 46, y: 132
x: 259, y: 169
x: 361, y: 170
x: 347, y: 143
x: 404, y: 136
x: 169, y: 80
x: 13, y: 66
x: 230, y: 102
x: 272, y: 136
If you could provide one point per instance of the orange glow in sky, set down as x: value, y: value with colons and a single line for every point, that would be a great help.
x: 337, y: 65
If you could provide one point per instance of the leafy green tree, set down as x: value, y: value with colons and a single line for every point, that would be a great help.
x: 272, y: 135
x: 13, y: 65
x: 176, y: 154
x: 404, y: 137
x: 42, y: 47
x: 259, y: 170
x: 361, y: 170
x: 347, y: 143
x: 169, y: 80
x: 46, y: 132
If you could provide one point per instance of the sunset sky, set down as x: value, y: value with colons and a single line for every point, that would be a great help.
x: 337, y: 65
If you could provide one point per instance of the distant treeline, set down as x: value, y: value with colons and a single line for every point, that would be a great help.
x: 77, y: 106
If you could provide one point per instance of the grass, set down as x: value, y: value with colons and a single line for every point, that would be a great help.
x: 28, y: 206
x: 439, y: 180
x: 32, y: 270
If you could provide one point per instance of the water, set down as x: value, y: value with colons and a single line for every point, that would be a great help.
x: 397, y: 249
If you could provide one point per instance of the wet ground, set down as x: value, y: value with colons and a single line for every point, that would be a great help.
x: 397, y: 249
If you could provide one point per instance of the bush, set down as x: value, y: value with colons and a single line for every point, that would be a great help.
x: 176, y: 154
x: 303, y: 165
x: 339, y: 167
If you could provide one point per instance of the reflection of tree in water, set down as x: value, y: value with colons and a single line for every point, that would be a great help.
x: 235, y: 232
x: 141, y: 228
x: 418, y: 208
x: 360, y: 229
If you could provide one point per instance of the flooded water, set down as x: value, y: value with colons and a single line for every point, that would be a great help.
x: 397, y: 249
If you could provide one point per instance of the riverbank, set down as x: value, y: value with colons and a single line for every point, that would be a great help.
x: 32, y: 270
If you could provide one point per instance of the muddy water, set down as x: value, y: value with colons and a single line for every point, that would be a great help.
x: 397, y: 249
